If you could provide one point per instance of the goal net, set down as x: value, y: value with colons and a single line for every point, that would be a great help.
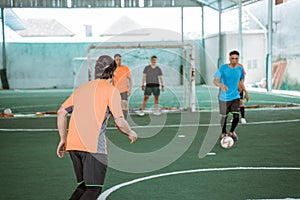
x: 175, y: 60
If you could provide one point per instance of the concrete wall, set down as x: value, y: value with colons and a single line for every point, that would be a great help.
x: 42, y: 65
x: 253, y: 56
x: 64, y: 65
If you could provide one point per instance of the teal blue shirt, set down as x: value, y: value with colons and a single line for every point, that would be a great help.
x: 230, y: 77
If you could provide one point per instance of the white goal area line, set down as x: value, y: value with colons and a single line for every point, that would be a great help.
x: 107, y: 192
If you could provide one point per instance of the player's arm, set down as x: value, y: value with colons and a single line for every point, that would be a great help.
x: 144, y: 81
x: 116, y: 110
x: 123, y: 126
x: 244, y: 89
x: 62, y: 130
x: 217, y: 83
x: 161, y: 83
x: 129, y: 85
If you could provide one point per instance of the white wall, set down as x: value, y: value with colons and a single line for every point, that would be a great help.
x: 253, y: 54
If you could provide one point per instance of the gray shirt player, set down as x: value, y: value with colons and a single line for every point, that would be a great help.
x: 152, y: 75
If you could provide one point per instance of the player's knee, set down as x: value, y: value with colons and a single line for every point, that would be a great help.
x: 124, y: 105
x: 92, y: 192
x: 236, y: 116
x: 94, y: 189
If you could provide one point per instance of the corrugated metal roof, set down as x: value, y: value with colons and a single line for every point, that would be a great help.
x: 214, y: 4
x: 224, y: 4
x: 12, y: 20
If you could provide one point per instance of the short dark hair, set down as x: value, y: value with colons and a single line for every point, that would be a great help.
x: 153, y: 57
x: 117, y: 55
x: 105, y: 67
x: 234, y: 52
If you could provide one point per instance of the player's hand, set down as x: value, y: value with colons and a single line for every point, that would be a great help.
x: 133, y: 137
x: 143, y: 87
x: 246, y: 96
x: 223, y: 87
x: 61, y: 149
x: 129, y: 92
x: 162, y: 88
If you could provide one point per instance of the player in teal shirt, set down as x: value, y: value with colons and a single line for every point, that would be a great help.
x: 227, y: 78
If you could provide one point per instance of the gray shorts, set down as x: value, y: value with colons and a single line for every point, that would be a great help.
x: 149, y: 90
x: 124, y: 95
x: 229, y: 106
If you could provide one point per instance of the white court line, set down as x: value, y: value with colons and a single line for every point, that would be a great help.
x: 161, y: 125
x: 276, y: 199
x: 107, y: 192
x: 213, y: 109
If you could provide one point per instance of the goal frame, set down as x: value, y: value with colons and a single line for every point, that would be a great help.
x: 136, y: 46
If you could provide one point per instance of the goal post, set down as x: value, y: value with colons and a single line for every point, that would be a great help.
x: 186, y: 47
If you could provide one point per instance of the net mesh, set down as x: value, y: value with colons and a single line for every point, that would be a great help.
x: 174, y: 62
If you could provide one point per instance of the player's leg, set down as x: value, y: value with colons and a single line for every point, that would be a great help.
x: 224, y: 116
x: 78, y: 192
x: 156, y: 92
x: 147, y: 94
x: 78, y: 168
x: 145, y: 100
x: 91, y: 193
x: 242, y: 108
x: 94, y: 173
x: 124, y: 97
x: 235, y: 110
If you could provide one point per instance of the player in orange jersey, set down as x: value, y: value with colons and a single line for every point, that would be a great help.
x: 91, y: 104
x: 122, y: 80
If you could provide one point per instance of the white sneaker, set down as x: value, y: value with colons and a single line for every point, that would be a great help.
x: 140, y: 113
x: 157, y: 113
x: 243, y: 121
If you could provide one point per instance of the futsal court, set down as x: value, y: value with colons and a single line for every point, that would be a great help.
x: 167, y: 161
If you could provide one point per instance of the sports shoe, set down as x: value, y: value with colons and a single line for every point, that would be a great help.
x: 157, y: 113
x: 223, y: 135
x: 243, y: 121
x: 234, y: 136
x: 140, y: 113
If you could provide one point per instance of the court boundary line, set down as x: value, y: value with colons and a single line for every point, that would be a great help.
x: 198, y: 110
x: 107, y: 192
x: 159, y: 126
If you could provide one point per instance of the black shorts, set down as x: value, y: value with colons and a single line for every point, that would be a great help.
x: 124, y: 96
x: 89, y: 168
x: 229, y: 107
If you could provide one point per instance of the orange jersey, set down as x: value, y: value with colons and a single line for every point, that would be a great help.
x: 91, y: 105
x: 239, y: 86
x: 122, y: 73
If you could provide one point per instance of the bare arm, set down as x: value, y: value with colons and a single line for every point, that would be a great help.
x: 219, y: 84
x: 62, y: 129
x: 244, y: 89
x: 162, y: 83
x: 125, y: 128
x: 129, y: 86
x: 143, y: 81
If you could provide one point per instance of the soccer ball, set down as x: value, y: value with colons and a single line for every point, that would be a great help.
x: 227, y: 142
